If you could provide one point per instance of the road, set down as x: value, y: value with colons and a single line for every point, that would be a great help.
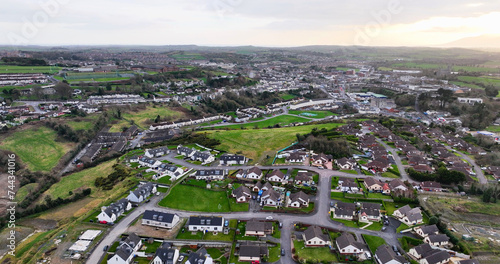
x: 397, y: 159
x: 479, y: 172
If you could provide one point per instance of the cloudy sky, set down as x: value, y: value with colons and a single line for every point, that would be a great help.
x: 246, y: 22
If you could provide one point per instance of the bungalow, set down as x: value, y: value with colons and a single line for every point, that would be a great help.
x: 264, y: 187
x: 205, y: 223
x: 296, y: 157
x: 276, y: 176
x: 254, y: 174
x: 343, y: 210
x: 425, y: 231
x: 204, y: 156
x: 166, y: 255
x: 303, y: 177
x: 142, y: 192
x: 210, y: 174
x: 242, y: 194
x: 422, y: 251
x: 397, y: 184
x: 345, y: 164
x: 440, y: 257
x: 271, y: 198
x: 378, y: 165
x: 373, y: 185
x: 440, y: 240
x: 147, y: 162
x: 385, y: 255
x: 126, y: 250
x: 314, y: 237
x: 370, y: 212
x: 252, y: 252
x: 431, y: 186
x: 227, y: 159
x: 257, y: 228
x: 185, y: 151
x: 160, y: 219
x: 157, y: 152
x: 347, y: 245
x: 408, y: 215
x: 299, y: 199
x: 348, y: 185
x: 320, y: 159
x: 423, y: 168
x: 113, y: 211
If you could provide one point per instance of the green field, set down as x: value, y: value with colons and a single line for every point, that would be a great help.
x: 145, y: 117
x: 313, y: 254
x: 414, y: 65
x: 282, y: 120
x: 201, y: 200
x: 188, y: 56
x: 480, y: 80
x: 373, y: 242
x: 495, y: 129
x: 79, y: 180
x: 29, y: 69
x: 80, y: 125
x: 463, y: 84
x: 269, y: 140
x: 24, y: 191
x: 315, y: 114
x: 37, y: 148
x: 287, y: 97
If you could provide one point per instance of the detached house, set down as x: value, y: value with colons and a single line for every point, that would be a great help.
x: 303, y: 177
x: 185, y: 151
x: 166, y: 255
x: 252, y: 252
x: 204, y: 156
x: 205, y: 223
x: 271, y: 198
x: 299, y: 199
x: 296, y: 157
x: 385, y: 255
x: 408, y: 215
x: 242, y: 194
x: 126, y: 250
x: 264, y: 187
x: 113, y: 211
x: 210, y: 174
x: 437, y: 240
x: 226, y: 159
x: 314, y: 237
x: 199, y: 257
x: 347, y: 245
x: 253, y: 173
x: 441, y: 257
x: 142, y: 192
x: 345, y: 164
x: 257, y: 228
x: 431, y: 186
x: 370, y: 212
x: 157, y: 152
x: 425, y: 231
x: 160, y: 219
x: 148, y: 162
x: 373, y: 185
x: 397, y: 184
x: 169, y: 170
x: 321, y: 159
x: 348, y: 185
x: 276, y: 176
x: 343, y: 210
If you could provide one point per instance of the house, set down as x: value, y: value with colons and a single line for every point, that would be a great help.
x: 370, y: 212
x: 440, y: 257
x: 242, y: 194
x: 373, y: 185
x: 320, y: 159
x: 314, y: 237
x: 254, y: 174
x: 142, y: 192
x: 204, y: 156
x: 347, y: 245
x: 227, y: 159
x: 264, y: 187
x: 210, y: 174
x: 422, y: 251
x: 431, y: 186
x: 425, y: 231
x: 343, y: 210
x: 276, y: 176
x: 160, y: 219
x: 126, y: 250
x: 252, y: 252
x: 199, y: 257
x: 165, y: 255
x: 440, y: 240
x: 345, y: 163
x: 205, y: 223
x: 296, y: 157
x: 299, y: 199
x: 303, y: 177
x: 185, y: 151
x: 148, y: 162
x: 257, y: 228
x: 169, y: 170
x: 408, y: 215
x: 348, y: 185
x: 157, y: 152
x: 385, y: 255
x: 397, y: 184
x: 113, y: 211
x: 423, y: 168
x: 378, y: 165
x: 467, y: 261
x: 271, y: 198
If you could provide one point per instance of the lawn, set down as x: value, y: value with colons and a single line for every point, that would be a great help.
x: 349, y: 171
x: 314, y: 255
x: 145, y: 117
x: 376, y: 226
x: 37, y: 148
x: 80, y: 125
x: 189, y: 235
x: 270, y: 140
x: 29, y: 69
x: 79, y: 180
x: 312, y: 114
x: 282, y: 120
x: 274, y: 253
x: 494, y: 129
x: 201, y: 200
x: 24, y: 191
x: 373, y: 242
x: 402, y: 227
x: 480, y: 80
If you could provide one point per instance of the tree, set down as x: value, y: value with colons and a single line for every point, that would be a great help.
x: 108, y: 87
x: 444, y: 96
x: 63, y: 90
x: 433, y: 220
x: 157, y: 119
x: 491, y: 91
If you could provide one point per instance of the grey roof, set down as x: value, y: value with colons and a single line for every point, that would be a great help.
x: 255, y: 170
x: 303, y: 176
x: 438, y: 238
x: 205, y: 220
x: 299, y: 196
x: 250, y: 251
x: 385, y: 254
x: 345, y: 208
x: 158, y: 216
x: 144, y: 190
x: 226, y: 157
x: 370, y: 209
x: 437, y: 257
x: 166, y: 255
x: 241, y: 191
x: 196, y: 258
x: 423, y: 249
x: 124, y: 251
x: 158, y: 150
x: 271, y: 194
x: 395, y: 183
x: 430, y: 184
x: 347, y: 239
x: 132, y: 240
x: 258, y: 226
x: 371, y: 181
x: 469, y: 261
x: 209, y: 173
x: 315, y: 231
x: 277, y: 173
x: 117, y: 207
x: 429, y: 229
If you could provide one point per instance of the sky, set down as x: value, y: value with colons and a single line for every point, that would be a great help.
x: 282, y: 23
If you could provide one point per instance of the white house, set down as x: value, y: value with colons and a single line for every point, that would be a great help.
x: 437, y: 240
x: 166, y: 256
x: 156, y: 152
x: 126, y: 251
x: 314, y: 237
x: 276, y: 176
x: 205, y: 223
x: 142, y: 192
x: 347, y: 245
x: 299, y: 199
x: 148, y: 162
x: 271, y: 198
x: 113, y: 211
x: 160, y: 219
x: 210, y: 174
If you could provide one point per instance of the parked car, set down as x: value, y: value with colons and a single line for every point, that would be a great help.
x: 105, y: 248
x: 269, y: 218
x: 180, y: 259
x: 395, y: 248
x: 384, y: 228
x: 226, y: 223
x: 282, y: 252
x: 148, y: 200
x: 280, y: 225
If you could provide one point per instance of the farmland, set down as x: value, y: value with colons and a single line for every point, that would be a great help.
x: 144, y: 117
x: 37, y: 148
x: 480, y: 80
x: 29, y: 69
x: 281, y: 120
x: 269, y: 140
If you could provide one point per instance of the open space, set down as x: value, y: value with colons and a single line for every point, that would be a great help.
x: 281, y: 120
x: 29, y: 69
x: 201, y: 200
x: 145, y: 117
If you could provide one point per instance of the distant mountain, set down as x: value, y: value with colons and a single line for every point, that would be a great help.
x: 483, y: 41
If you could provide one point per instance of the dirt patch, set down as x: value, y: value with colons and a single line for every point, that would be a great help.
x: 41, y: 224
x: 150, y: 231
x: 75, y: 209
x: 21, y: 233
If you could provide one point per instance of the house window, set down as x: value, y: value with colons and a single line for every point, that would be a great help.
x: 215, y: 228
x: 343, y: 250
x: 147, y: 222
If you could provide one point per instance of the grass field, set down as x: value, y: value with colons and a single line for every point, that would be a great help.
x: 79, y: 180
x: 282, y: 120
x: 24, y: 191
x: 270, y: 140
x: 463, y: 84
x: 414, y: 65
x: 143, y: 118
x: 493, y: 129
x: 80, y: 125
x: 201, y: 200
x: 480, y: 80
x: 373, y: 242
x: 29, y: 69
x: 314, y: 254
x: 37, y: 148
x: 188, y: 56
x: 316, y: 114
x: 287, y: 97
